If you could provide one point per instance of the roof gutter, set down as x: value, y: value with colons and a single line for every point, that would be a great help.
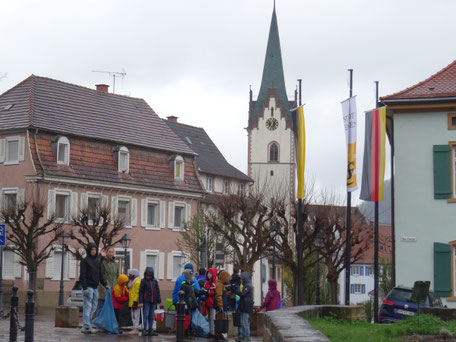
x: 423, y: 99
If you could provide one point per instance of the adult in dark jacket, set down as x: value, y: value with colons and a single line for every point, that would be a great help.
x: 272, y: 300
x: 236, y: 286
x: 90, y: 276
x: 245, y: 306
x: 149, y: 298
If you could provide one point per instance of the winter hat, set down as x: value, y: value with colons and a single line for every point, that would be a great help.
x: 188, y: 266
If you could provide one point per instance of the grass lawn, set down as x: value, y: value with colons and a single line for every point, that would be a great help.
x: 338, y: 330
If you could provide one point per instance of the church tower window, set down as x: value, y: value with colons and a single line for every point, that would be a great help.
x: 273, y: 152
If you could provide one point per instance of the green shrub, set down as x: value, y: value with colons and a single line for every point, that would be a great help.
x: 369, y: 310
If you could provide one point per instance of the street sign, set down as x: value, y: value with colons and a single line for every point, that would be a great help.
x: 2, y: 234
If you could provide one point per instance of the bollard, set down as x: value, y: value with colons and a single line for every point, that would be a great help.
x: 29, y: 316
x: 13, y: 315
x: 180, y: 318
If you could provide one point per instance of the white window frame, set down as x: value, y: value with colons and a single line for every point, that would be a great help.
x: 66, y: 266
x: 63, y: 141
x: 13, y: 161
x: 17, y: 269
x: 122, y: 250
x: 209, y: 184
x: 129, y: 200
x: 67, y: 218
x: 354, y: 288
x: 156, y: 253
x: 97, y: 196
x: 9, y: 191
x: 183, y: 216
x: 179, y: 160
x: 123, y: 150
x: 156, y: 225
x: 355, y: 267
x: 173, y: 254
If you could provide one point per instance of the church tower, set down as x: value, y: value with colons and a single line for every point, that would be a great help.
x: 271, y: 161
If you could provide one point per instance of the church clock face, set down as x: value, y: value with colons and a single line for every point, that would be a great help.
x: 272, y: 124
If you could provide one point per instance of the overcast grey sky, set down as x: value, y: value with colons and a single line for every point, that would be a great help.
x: 196, y: 58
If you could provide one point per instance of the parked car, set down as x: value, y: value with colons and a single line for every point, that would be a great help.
x: 75, y: 298
x: 398, y: 304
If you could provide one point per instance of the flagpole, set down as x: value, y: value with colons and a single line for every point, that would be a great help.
x: 376, y: 238
x: 348, y: 230
x: 300, y: 284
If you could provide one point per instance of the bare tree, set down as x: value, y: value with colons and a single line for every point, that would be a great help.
x: 32, y: 237
x: 97, y: 226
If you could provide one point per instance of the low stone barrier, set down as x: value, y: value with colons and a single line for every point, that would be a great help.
x: 289, y: 324
x: 67, y: 317
x: 445, y: 314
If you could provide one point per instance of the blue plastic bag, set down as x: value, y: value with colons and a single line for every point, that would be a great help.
x: 107, y: 318
x: 199, y: 324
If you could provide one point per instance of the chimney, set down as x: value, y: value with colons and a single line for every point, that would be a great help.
x: 172, y: 118
x: 102, y: 88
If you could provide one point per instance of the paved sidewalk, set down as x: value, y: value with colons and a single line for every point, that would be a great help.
x: 46, y: 332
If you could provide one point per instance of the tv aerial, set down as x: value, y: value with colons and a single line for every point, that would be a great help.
x: 113, y: 74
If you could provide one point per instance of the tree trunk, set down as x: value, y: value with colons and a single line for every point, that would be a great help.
x: 333, y: 291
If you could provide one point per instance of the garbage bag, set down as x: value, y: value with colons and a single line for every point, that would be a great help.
x: 107, y: 318
x: 199, y: 324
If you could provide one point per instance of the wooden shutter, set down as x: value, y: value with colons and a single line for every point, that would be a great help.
x: 161, y: 265
x: 143, y: 212
x: 74, y: 204
x: 50, y: 265
x: 134, y: 212
x: 21, y: 149
x: 84, y: 200
x: 17, y: 266
x: 104, y: 201
x: 361, y: 270
x: 51, y: 203
x: 162, y: 215
x: 442, y: 269
x: 363, y: 289
x: 352, y: 288
x: 71, y: 263
x: 442, y: 172
x: 142, y: 262
x: 2, y: 150
x: 113, y: 208
x: 169, y: 268
x: 20, y: 196
x: 188, y: 212
x: 171, y: 215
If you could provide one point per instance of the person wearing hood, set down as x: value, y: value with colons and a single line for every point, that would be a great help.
x: 120, y: 295
x: 110, y: 271
x: 180, y: 280
x: 133, y: 300
x: 149, y: 298
x: 245, y: 306
x: 221, y: 298
x: 90, y: 275
x: 209, y: 286
x: 272, y: 300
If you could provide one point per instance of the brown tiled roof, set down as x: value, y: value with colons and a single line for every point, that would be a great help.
x: 93, y: 160
x: 441, y: 84
x: 71, y: 109
x: 385, y: 247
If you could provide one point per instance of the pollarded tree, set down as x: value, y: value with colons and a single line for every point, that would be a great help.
x: 31, y: 235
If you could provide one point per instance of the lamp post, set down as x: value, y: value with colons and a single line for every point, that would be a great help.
x: 318, y: 244
x: 273, y: 228
x: 63, y: 239
x: 125, y: 240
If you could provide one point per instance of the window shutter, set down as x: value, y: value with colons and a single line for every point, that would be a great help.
x: 188, y: 212
x: 51, y: 203
x: 352, y: 288
x: 20, y: 196
x: 113, y: 208
x: 363, y: 289
x: 84, y: 200
x: 17, y: 266
x: 442, y: 172
x: 104, y: 201
x: 162, y: 214
x: 169, y: 269
x: 74, y: 204
x: 367, y: 270
x: 361, y: 270
x: 142, y: 262
x: 143, y: 212
x: 2, y: 150
x: 72, y: 263
x: 134, y: 212
x: 442, y: 269
x: 161, y: 267
x: 21, y: 149
x: 50, y: 265
x: 171, y: 216
x: 351, y: 270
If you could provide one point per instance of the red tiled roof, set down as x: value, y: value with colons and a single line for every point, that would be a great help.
x: 441, y: 84
x: 385, y: 247
x: 94, y: 160
x: 66, y: 108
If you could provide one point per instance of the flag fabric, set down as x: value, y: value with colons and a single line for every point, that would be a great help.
x: 299, y: 131
x: 372, y: 187
x: 349, y: 115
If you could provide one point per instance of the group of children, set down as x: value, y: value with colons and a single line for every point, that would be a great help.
x: 141, y: 294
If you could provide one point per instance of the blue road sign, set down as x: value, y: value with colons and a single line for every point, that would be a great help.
x: 2, y: 234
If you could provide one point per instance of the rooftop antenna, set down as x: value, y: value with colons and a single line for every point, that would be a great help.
x: 113, y: 74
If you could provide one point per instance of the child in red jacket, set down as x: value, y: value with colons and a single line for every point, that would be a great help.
x: 120, y: 295
x: 211, y: 280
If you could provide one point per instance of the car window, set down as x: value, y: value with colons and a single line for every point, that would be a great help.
x: 400, y: 294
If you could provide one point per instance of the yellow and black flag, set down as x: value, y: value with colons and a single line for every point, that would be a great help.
x: 299, y: 130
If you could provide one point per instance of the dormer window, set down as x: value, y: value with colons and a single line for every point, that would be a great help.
x: 123, y: 159
x: 179, y: 168
x: 63, y: 151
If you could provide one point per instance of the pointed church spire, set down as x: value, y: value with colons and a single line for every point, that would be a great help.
x: 273, y: 69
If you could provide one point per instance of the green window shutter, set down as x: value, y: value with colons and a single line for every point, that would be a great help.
x: 442, y: 172
x: 442, y: 269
